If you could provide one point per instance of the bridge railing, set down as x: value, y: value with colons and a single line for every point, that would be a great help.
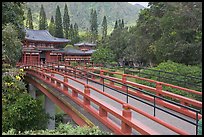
x: 158, y: 90
x: 127, y: 121
x: 184, y: 108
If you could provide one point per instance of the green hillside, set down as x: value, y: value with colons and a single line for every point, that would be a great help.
x: 80, y: 11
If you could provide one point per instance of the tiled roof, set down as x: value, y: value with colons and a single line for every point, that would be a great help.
x: 84, y: 44
x: 72, y: 51
x: 43, y: 35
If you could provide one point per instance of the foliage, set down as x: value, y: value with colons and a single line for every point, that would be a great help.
x: 13, y: 13
x: 11, y: 45
x: 51, y: 26
x: 62, y: 129
x: 58, y: 24
x: 181, y: 72
x: 80, y: 12
x: 162, y: 35
x: 103, y: 55
x: 93, y: 26
x: 104, y: 28
x: 19, y: 110
x: 29, y: 19
x: 66, y: 22
x: 118, y: 43
x: 74, y: 64
x: 74, y: 34
x: 42, y: 19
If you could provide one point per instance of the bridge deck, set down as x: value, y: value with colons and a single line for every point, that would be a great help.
x: 189, y: 128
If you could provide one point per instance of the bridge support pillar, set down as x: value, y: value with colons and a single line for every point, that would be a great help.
x: 50, y: 109
x: 32, y: 90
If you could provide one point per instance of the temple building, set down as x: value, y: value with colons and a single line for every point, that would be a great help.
x: 81, y: 53
x: 41, y: 46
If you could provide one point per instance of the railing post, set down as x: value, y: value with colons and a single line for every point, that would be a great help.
x: 86, y: 92
x: 124, y: 79
x: 158, y: 91
x: 65, y: 88
x: 111, y: 83
x: 52, y: 74
x: 102, y: 112
x: 74, y: 94
x: 101, y: 74
x: 58, y: 84
x: 126, y: 113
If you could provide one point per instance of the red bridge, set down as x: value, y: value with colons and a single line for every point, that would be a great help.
x: 91, y: 97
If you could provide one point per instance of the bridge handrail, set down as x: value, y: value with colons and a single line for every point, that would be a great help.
x: 154, y: 81
x: 197, y: 103
x: 133, y: 108
x: 76, y: 69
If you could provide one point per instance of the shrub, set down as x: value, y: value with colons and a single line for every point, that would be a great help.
x: 62, y: 129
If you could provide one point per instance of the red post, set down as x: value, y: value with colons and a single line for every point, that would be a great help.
x: 86, y: 92
x: 58, y: 84
x: 158, y: 90
x: 52, y: 74
x: 111, y: 83
x: 101, y: 74
x: 124, y: 79
x: 24, y: 60
x: 74, y: 94
x: 102, y: 112
x: 65, y: 87
x: 125, y: 128
x: 30, y: 58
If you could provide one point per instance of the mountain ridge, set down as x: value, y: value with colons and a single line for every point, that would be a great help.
x: 79, y: 12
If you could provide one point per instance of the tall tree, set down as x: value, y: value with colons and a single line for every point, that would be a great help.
x: 58, y: 23
x: 51, y: 26
x: 13, y: 12
x: 104, y: 28
x: 76, y: 33
x: 29, y: 22
x: 93, y: 26
x: 116, y: 25
x: 12, y: 31
x: 66, y: 21
x: 71, y: 33
x: 42, y: 19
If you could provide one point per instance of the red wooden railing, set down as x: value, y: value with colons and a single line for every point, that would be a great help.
x: 128, y: 123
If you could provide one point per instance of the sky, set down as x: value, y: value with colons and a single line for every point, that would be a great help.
x: 145, y: 4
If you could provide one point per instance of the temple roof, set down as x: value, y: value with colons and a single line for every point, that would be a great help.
x: 84, y: 44
x: 72, y: 51
x: 43, y: 36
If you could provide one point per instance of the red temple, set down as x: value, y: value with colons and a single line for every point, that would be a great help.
x: 40, y: 45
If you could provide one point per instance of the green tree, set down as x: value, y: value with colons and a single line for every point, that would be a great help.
x: 19, y: 110
x: 66, y: 21
x: 29, y: 22
x: 76, y: 34
x: 104, y: 28
x: 42, y: 19
x: 116, y: 25
x: 51, y: 26
x: 11, y: 45
x: 103, y: 55
x: 58, y: 23
x: 13, y: 12
x: 94, y: 26
x: 71, y: 34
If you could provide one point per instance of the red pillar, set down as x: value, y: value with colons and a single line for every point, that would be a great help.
x: 30, y: 58
x: 24, y: 58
